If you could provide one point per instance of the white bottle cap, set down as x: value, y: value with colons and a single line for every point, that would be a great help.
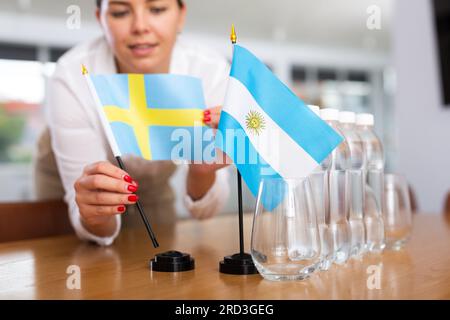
x: 329, y: 114
x: 314, y: 109
x: 365, y: 119
x: 347, y: 117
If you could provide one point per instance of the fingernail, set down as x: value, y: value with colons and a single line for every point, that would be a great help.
x: 121, y: 208
x: 206, y: 119
x: 206, y: 112
x: 127, y: 178
x: 132, y: 188
x: 133, y: 198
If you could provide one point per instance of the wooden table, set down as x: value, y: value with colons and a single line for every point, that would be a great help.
x: 36, y: 269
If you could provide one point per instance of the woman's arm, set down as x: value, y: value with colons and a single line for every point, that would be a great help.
x: 202, y: 178
x: 213, y: 200
x: 77, y: 141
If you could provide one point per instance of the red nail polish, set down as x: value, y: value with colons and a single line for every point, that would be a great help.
x: 133, y: 198
x: 121, y: 208
x: 206, y: 119
x: 132, y: 188
x: 206, y: 112
x: 127, y: 178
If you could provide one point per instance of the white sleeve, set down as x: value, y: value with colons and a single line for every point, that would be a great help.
x: 76, y: 141
x: 213, y: 201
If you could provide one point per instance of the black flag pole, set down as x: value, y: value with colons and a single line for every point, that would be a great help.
x: 141, y: 210
x: 241, y: 214
x: 240, y: 263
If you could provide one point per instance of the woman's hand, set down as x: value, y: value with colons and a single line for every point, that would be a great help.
x: 211, y: 116
x: 101, y: 193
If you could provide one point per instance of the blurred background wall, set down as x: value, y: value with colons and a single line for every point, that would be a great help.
x: 328, y: 52
x: 423, y: 122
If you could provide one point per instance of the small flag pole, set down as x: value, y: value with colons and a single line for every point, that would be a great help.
x: 240, y: 263
x: 115, y: 149
x: 233, y: 39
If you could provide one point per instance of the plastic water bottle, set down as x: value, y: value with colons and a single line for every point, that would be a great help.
x: 374, y: 183
x: 339, y: 163
x: 319, y: 186
x: 355, y: 182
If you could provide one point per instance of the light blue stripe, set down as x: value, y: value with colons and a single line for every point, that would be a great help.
x: 182, y: 143
x: 252, y: 172
x: 310, y: 132
x: 168, y: 91
x: 125, y: 138
x: 112, y: 89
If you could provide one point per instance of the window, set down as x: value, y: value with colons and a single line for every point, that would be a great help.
x: 22, y: 93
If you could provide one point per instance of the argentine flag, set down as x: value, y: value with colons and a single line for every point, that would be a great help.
x: 266, y: 129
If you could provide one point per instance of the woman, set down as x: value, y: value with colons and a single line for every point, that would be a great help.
x: 140, y: 36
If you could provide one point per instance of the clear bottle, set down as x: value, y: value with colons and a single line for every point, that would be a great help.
x: 374, y: 183
x: 337, y: 209
x: 319, y: 186
x: 355, y: 177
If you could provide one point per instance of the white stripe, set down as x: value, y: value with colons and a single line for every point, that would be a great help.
x: 273, y: 144
x: 105, y: 123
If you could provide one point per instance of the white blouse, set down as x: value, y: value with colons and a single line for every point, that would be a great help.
x: 76, y: 133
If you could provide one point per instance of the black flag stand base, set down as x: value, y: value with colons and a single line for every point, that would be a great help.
x: 240, y: 263
x: 169, y: 261
x: 172, y: 261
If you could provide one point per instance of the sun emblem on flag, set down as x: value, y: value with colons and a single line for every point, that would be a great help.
x: 255, y: 122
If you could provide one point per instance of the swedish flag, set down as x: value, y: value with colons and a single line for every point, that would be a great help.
x: 150, y: 114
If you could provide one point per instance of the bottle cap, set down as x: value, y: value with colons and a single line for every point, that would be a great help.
x: 329, y: 114
x: 314, y: 109
x: 347, y: 117
x: 365, y: 119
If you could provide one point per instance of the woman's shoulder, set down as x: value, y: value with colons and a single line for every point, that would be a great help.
x: 68, y: 86
x: 205, y: 63
x: 94, y: 54
x: 200, y: 51
x: 193, y: 57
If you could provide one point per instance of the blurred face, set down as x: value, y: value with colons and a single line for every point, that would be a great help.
x: 141, y: 33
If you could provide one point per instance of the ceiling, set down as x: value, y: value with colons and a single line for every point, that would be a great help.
x: 338, y: 23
